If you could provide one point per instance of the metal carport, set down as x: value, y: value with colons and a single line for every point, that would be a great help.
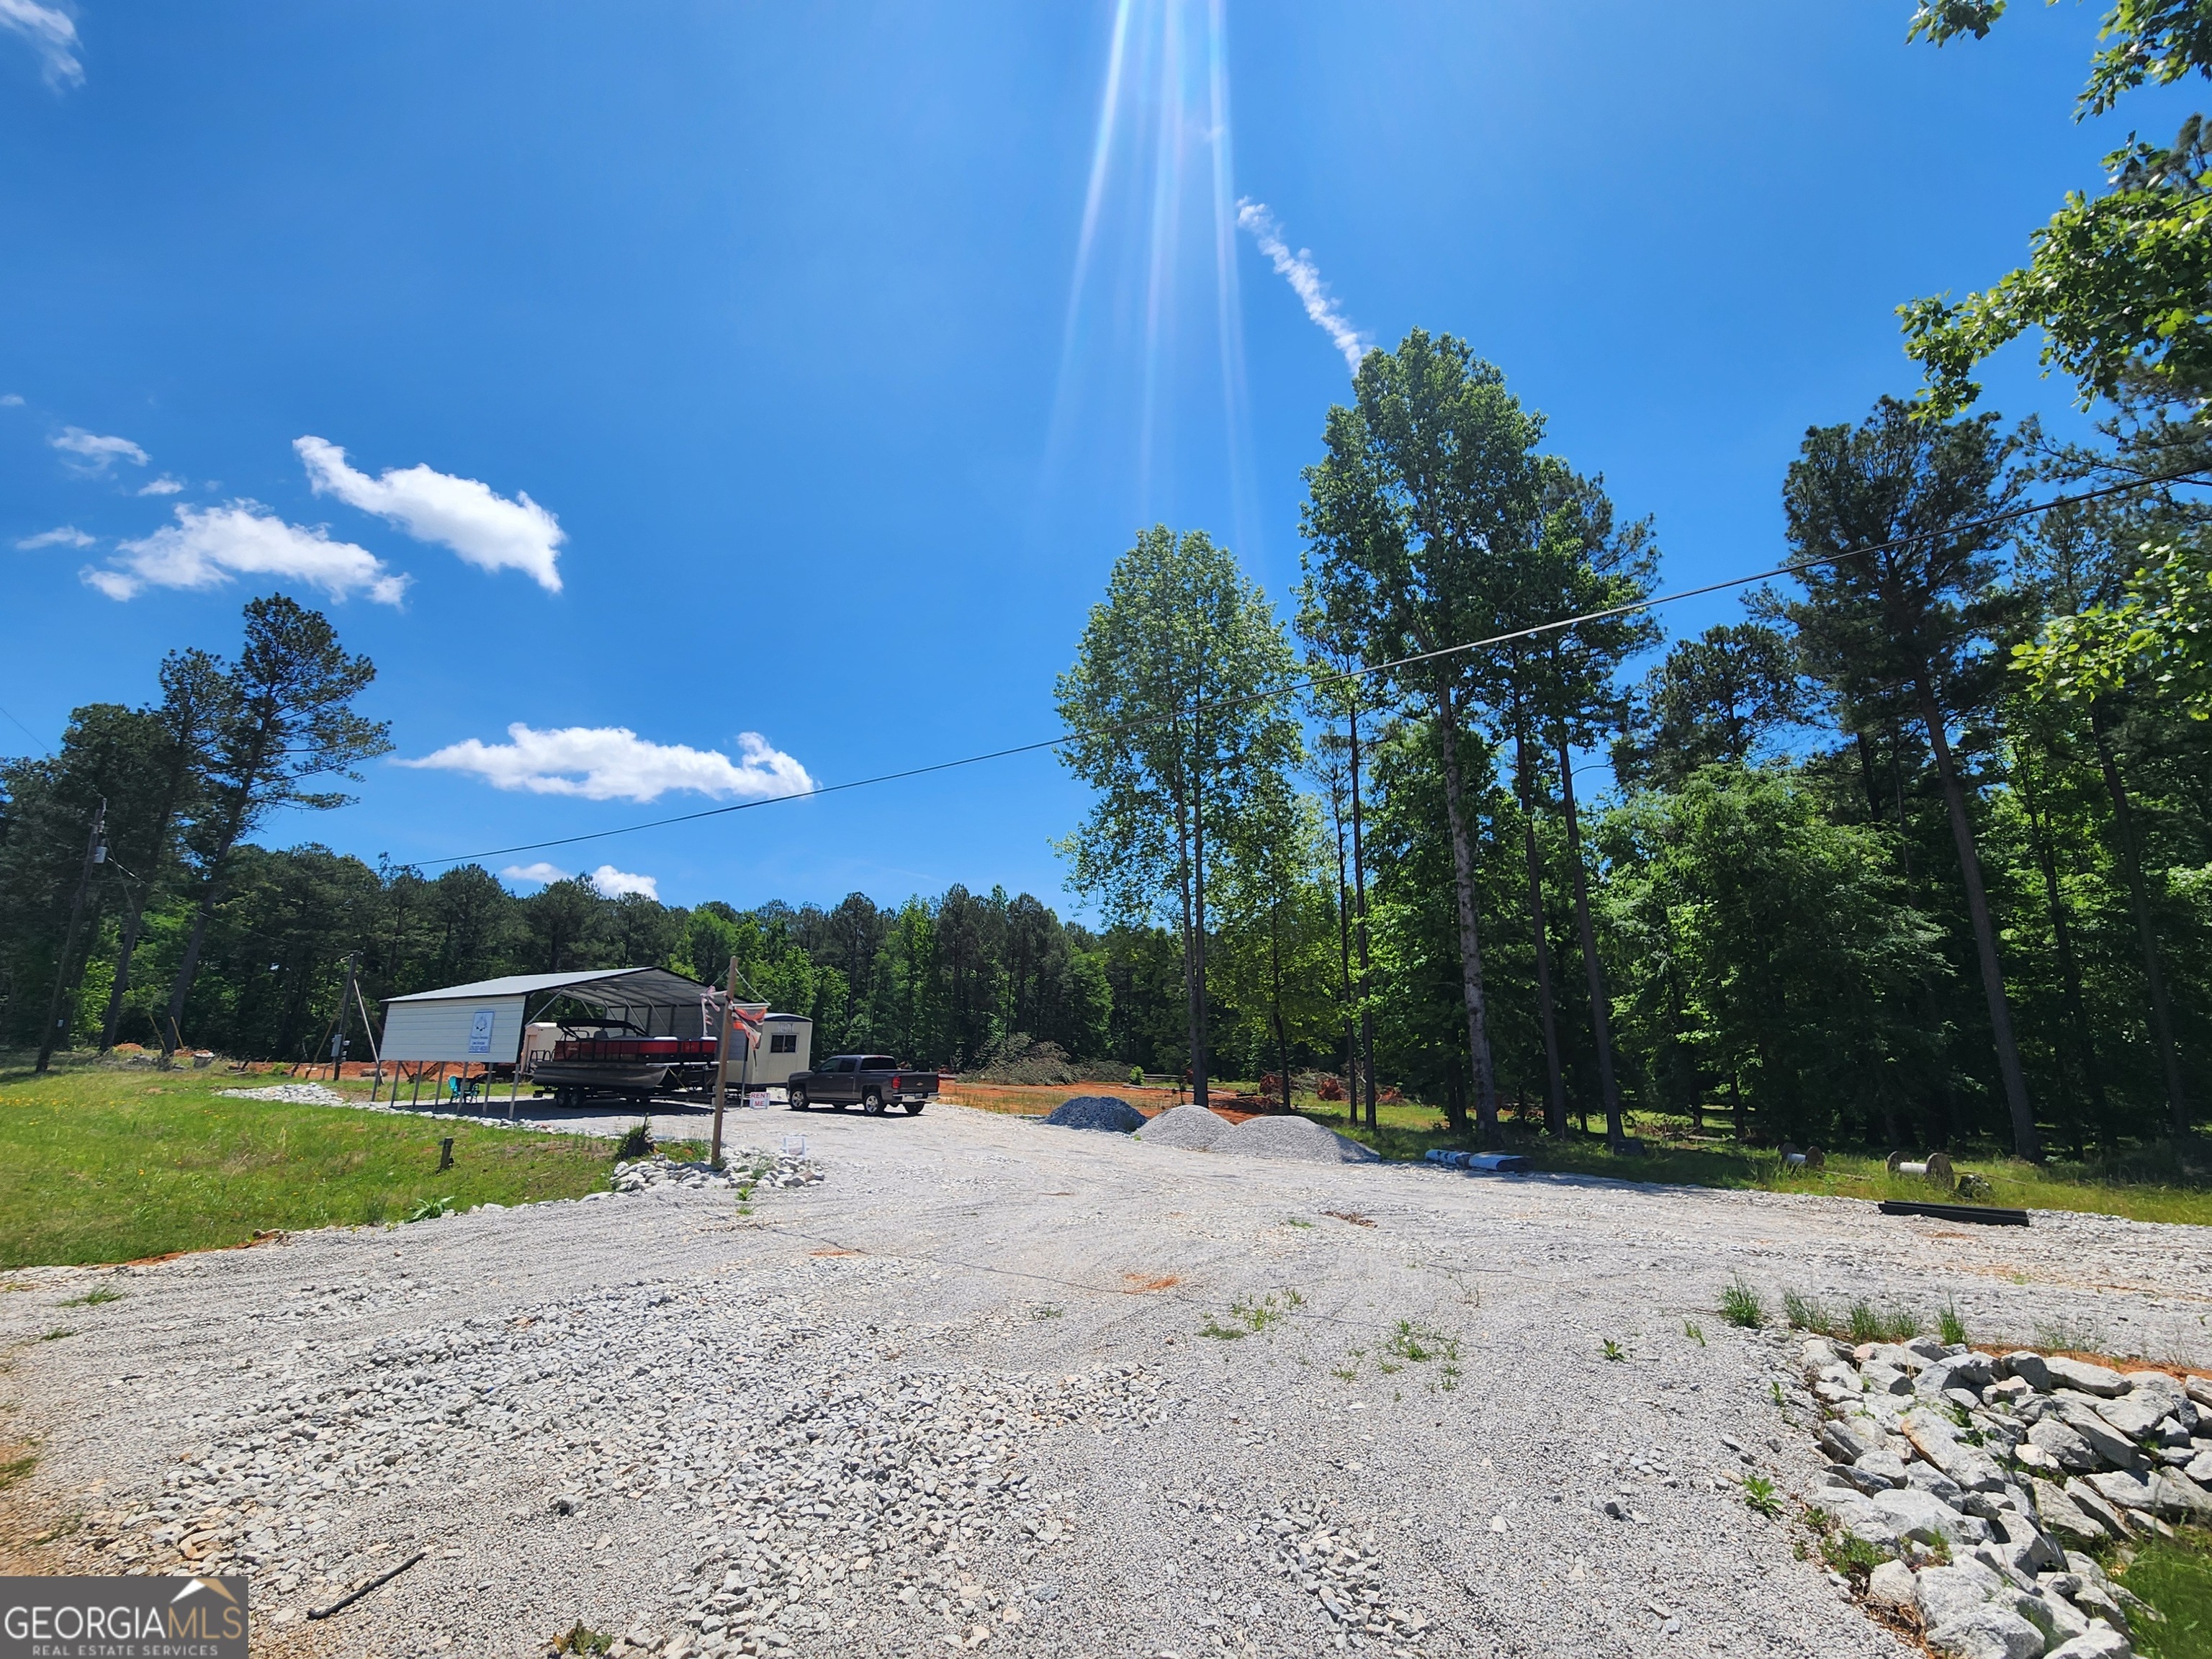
x: 482, y: 1023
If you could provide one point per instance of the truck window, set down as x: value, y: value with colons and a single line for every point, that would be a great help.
x: 879, y: 1063
x: 848, y: 1064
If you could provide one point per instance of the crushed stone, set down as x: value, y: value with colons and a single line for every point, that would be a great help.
x: 1299, y: 1139
x: 1191, y: 1126
x: 1104, y: 1112
x: 291, y: 1094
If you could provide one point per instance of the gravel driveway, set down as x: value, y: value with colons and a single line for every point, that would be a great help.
x: 994, y: 1385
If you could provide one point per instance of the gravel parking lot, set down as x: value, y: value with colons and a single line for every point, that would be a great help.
x: 994, y: 1385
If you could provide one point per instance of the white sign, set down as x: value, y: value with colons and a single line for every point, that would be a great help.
x: 480, y: 1030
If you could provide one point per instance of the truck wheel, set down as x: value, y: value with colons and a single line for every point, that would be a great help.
x: 795, y: 1096
x: 872, y: 1102
x: 914, y: 1107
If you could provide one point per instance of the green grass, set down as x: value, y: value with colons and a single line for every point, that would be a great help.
x: 2149, y: 1185
x: 2175, y: 1576
x: 1740, y: 1305
x: 100, y: 1165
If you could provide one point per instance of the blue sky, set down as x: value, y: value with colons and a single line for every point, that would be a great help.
x: 700, y: 370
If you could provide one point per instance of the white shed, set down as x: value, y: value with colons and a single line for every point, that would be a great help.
x: 481, y: 1023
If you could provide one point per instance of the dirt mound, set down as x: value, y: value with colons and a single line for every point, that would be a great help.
x: 1298, y: 1138
x: 1097, y: 1112
x: 1191, y: 1126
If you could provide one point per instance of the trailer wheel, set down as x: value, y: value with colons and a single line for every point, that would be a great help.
x: 914, y: 1107
x: 872, y: 1102
x: 795, y: 1096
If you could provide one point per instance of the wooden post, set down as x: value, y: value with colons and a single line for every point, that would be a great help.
x: 722, y: 1062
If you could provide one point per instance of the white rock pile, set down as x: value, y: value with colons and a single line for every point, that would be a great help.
x: 1983, y: 1478
x: 290, y: 1094
x: 745, y: 1167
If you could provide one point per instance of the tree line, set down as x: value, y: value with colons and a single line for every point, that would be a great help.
x: 1877, y: 861
x: 189, y: 933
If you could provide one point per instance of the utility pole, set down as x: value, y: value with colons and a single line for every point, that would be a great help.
x: 722, y: 1062
x: 345, y: 1004
x: 95, y: 852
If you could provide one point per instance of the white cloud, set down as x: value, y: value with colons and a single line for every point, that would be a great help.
x: 206, y: 548
x: 1304, y: 278
x: 94, y: 454
x: 164, y: 485
x: 11, y: 400
x: 612, y: 762
x: 66, y: 535
x: 52, y: 34
x: 615, y: 883
x: 611, y: 881
x: 486, y: 529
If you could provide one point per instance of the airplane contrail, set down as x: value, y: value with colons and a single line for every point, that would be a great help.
x: 1299, y: 271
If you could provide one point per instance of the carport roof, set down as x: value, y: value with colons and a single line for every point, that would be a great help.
x: 629, y: 988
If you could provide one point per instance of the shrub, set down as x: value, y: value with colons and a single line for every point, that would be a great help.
x: 638, y: 1143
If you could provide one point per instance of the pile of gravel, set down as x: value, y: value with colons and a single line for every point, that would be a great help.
x: 1097, y: 1112
x: 292, y: 1094
x: 1192, y: 1127
x: 1298, y: 1138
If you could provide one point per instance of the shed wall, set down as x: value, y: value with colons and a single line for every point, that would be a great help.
x: 447, y: 1031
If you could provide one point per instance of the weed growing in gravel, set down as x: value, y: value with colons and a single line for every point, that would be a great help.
x: 94, y: 1297
x: 1852, y: 1556
x: 1871, y: 1324
x: 1694, y: 1331
x: 16, y: 1469
x: 2067, y: 1335
x: 1296, y: 1221
x: 1253, y: 1317
x: 1759, y: 1492
x: 578, y: 1639
x: 56, y: 1334
x: 1951, y: 1325
x: 1775, y: 1389
x: 1740, y: 1305
x: 1613, y: 1350
x: 1806, y: 1313
x: 638, y: 1143
x: 1046, y: 1311
x: 1416, y: 1343
x: 430, y: 1209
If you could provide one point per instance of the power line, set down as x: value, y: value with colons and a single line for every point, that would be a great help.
x: 1796, y: 566
x: 29, y: 733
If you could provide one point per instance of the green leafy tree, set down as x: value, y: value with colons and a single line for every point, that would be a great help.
x: 1771, y: 940
x: 1427, y: 482
x: 1176, y: 710
x: 1905, y: 603
x: 289, y: 720
x: 1718, y: 697
x: 1604, y: 569
x: 2120, y: 284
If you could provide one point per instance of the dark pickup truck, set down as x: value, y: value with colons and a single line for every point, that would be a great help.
x: 871, y: 1082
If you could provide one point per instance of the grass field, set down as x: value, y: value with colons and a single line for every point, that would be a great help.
x: 100, y: 1164
x: 2175, y: 1576
x: 1410, y: 1131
